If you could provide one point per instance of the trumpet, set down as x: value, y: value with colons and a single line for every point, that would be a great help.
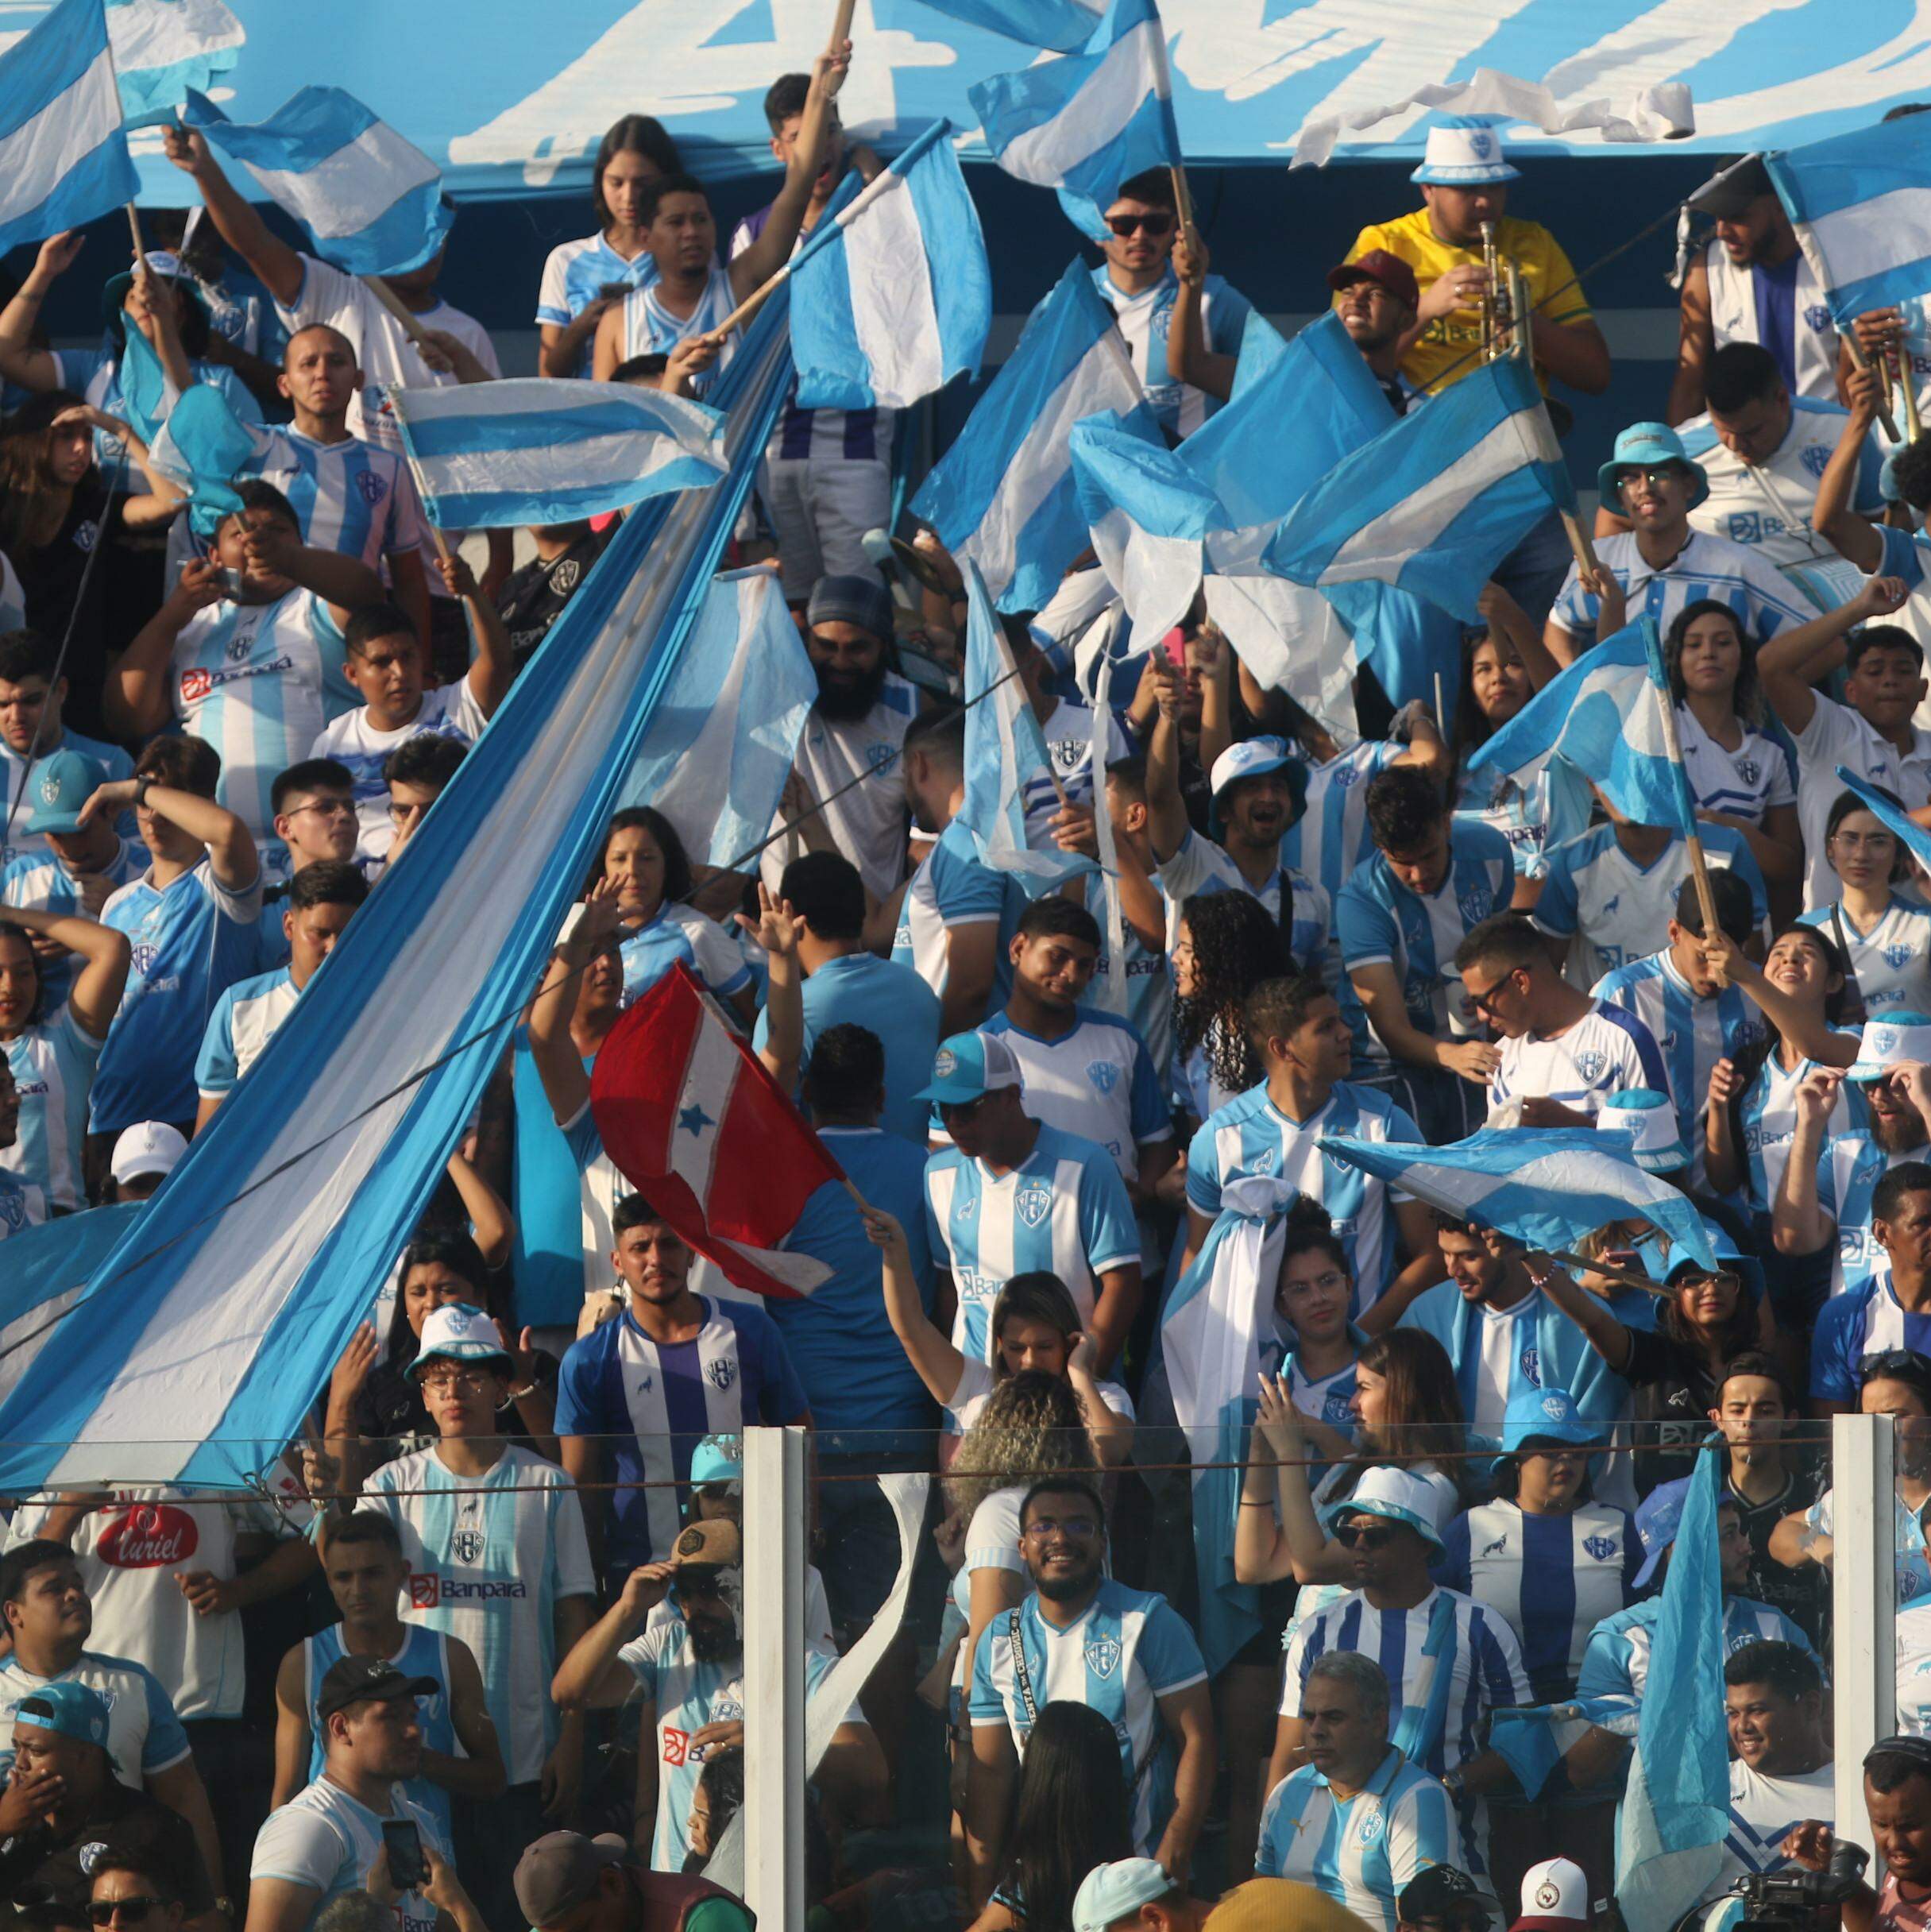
x: 1501, y: 303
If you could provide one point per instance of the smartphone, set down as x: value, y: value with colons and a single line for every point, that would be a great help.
x: 404, y: 1843
x: 231, y: 583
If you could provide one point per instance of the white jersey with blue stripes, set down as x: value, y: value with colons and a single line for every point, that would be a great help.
x: 1763, y: 1810
x: 1838, y: 736
x: 651, y: 329
x: 1746, y: 783
x: 1848, y: 1171
x: 1706, y: 568
x: 1913, y: 1664
x: 1769, y: 1117
x: 350, y: 496
x: 1607, y: 1051
x: 449, y: 711
x: 1200, y: 866
x: 1890, y: 960
x: 245, y: 1019
x: 52, y: 1064
x: 576, y: 273
x: 44, y: 882
x: 1617, y: 1660
x: 1360, y: 1850
x: 22, y: 1206
x: 1330, y: 837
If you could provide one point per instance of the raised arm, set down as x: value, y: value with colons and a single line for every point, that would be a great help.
x: 135, y: 700
x: 766, y: 255
x: 96, y: 997
x: 232, y: 856
x: 1834, y: 515
x: 1694, y: 338
x: 236, y: 220
x: 343, y: 582
x: 21, y: 362
x: 927, y: 1347
x: 1798, y: 1224
x: 1792, y: 662
x: 495, y: 666
x: 1607, y: 1335
x: 591, y: 1675
x: 558, y: 1064
x: 1166, y: 811
x: 1189, y: 359
x: 778, y: 929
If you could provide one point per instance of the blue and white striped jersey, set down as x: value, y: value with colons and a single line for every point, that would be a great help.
x: 1913, y: 1572
x: 449, y: 711
x: 1616, y: 1662
x: 1330, y: 837
x: 678, y: 932
x: 1201, y: 866
x: 144, y: 1735
x: 245, y: 1019
x: 17, y: 782
x: 258, y: 682
x: 1251, y: 1135
x: 953, y: 887
x: 1891, y: 963
x: 1848, y: 1172
x: 42, y: 883
x: 1694, y: 1034
x: 349, y: 497
x: 1551, y: 1578
x: 651, y: 329
x: 1607, y: 1051
x: 1064, y: 1208
x: 192, y: 941
x: 1612, y: 910
x: 1126, y: 1651
x: 490, y: 1557
x: 1763, y: 1810
x: 53, y: 1067
x: 94, y: 376
x: 1360, y: 1850
x: 1760, y: 773
x: 1769, y: 1115
x: 325, y: 1839
x: 1149, y: 990
x: 1378, y: 920
x: 1144, y: 319
x: 1096, y: 1082
x: 424, y: 1653
x: 1865, y: 1319
x: 1520, y: 813
x: 576, y: 274
x: 1707, y: 567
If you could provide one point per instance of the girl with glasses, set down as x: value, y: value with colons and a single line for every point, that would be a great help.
x: 1886, y: 938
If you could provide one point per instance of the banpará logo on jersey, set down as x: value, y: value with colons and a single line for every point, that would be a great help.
x: 427, y: 1590
x: 467, y: 1546
x: 1746, y: 526
x: 1033, y: 1203
x: 1104, y: 1074
x: 1602, y: 1548
x: 721, y: 1372
x: 1589, y: 1065
x: 197, y: 683
x: 373, y: 488
x: 1102, y: 1655
x: 1531, y: 1366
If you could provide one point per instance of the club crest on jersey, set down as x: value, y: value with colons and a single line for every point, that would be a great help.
x: 1817, y: 317
x: 1897, y: 957
x: 1475, y: 904
x: 467, y: 1546
x: 1371, y: 1827
x: 238, y: 648
x: 879, y: 755
x: 1032, y: 1204
x: 372, y: 487
x: 1590, y: 1065
x: 1102, y: 1655
x: 1345, y: 776
x: 141, y: 958
x: 1747, y: 769
x: 1531, y: 1366
x: 50, y: 790
x: 1103, y: 1074
x: 721, y: 1373
x: 1602, y: 1548
x: 563, y: 578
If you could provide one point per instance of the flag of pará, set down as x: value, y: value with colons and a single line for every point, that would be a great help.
x: 371, y: 202
x: 1604, y: 717
x: 897, y: 300
x: 490, y: 455
x: 64, y: 153
x: 690, y: 1117
x: 162, y: 48
x: 1089, y: 121
x: 1063, y: 26
x: 1435, y: 502
x: 1861, y: 205
x: 1547, y: 1187
x: 1002, y: 495
x: 1010, y: 796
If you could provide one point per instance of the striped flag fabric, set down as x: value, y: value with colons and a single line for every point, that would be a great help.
x: 898, y: 299
x: 690, y: 1117
x: 1891, y: 815
x: 1063, y: 26
x: 204, y: 447
x: 535, y: 449
x: 1002, y: 496
x: 63, y: 156
x: 370, y: 201
x: 1435, y: 501
x: 1603, y: 716
x: 162, y: 48
x: 1547, y: 1187
x: 1861, y: 206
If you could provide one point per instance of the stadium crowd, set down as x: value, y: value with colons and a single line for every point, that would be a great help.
x: 489, y: 1614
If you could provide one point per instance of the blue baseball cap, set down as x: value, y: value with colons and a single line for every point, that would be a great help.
x: 1548, y: 1413
x: 1730, y: 1259
x: 1110, y: 1893
x: 63, y: 782
x: 1644, y: 445
x: 458, y: 1332
x: 1889, y: 1042
x: 68, y: 1707
x: 718, y: 1458
x: 968, y: 1066
x: 1657, y: 1516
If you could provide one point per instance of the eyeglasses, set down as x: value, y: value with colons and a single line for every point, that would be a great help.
x: 1081, y: 1528
x: 1731, y: 1282
x: 132, y: 1912
x: 469, y: 1380
x: 1485, y: 1002
x: 1155, y: 222
x: 1359, y: 1537
x: 1667, y: 472
x: 1326, y: 1283
x: 323, y: 808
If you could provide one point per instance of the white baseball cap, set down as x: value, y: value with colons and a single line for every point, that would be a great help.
x: 1556, y: 1897
x: 153, y: 1147
x: 1248, y: 760
x: 1889, y: 1042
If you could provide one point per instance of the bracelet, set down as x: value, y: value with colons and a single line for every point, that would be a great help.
x: 517, y: 1395
x: 141, y: 789
x: 1257, y: 1502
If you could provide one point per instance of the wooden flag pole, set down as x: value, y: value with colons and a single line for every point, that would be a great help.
x: 1855, y: 350
x: 133, y: 226
x: 1699, y: 868
x: 396, y: 307
x: 1182, y: 202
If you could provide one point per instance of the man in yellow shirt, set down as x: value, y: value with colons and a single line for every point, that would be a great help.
x: 1465, y: 181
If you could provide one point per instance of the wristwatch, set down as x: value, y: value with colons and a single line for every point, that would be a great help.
x: 141, y: 788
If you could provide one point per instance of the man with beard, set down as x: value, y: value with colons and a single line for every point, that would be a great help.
x: 1379, y: 298
x: 1829, y: 1194
x: 687, y: 1674
x: 1126, y: 1654
x: 853, y: 732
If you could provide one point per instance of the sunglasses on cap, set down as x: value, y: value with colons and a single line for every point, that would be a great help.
x: 1905, y: 1364
x: 1155, y: 222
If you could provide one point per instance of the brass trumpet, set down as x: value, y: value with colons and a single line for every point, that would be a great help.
x: 1501, y: 305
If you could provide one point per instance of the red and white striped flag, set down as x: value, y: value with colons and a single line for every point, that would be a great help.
x: 692, y: 1120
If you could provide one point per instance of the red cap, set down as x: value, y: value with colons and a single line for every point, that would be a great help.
x: 1378, y: 265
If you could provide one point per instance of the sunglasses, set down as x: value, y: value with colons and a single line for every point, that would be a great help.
x: 131, y: 1911
x: 1156, y: 223
x: 1484, y: 1002
x: 1359, y: 1537
x: 1904, y: 1362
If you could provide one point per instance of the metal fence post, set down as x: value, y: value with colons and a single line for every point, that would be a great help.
x: 1863, y: 1603
x: 775, y: 1516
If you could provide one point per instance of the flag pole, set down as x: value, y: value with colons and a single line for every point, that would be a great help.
x: 1907, y: 386
x: 435, y: 533
x: 1699, y: 866
x: 1855, y: 350
x: 133, y: 224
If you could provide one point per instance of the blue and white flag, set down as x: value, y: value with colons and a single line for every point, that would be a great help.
x: 1861, y: 205
x: 1002, y: 496
x: 725, y: 731
x: 531, y: 450
x: 164, y: 47
x: 204, y: 447
x: 1063, y: 26
x: 231, y: 1299
x: 46, y: 1273
x: 1433, y: 504
x: 371, y: 202
x: 1604, y: 717
x: 902, y: 303
x: 1546, y: 1187
x: 146, y: 391
x: 1089, y: 121
x: 1533, y: 1739
x: 1891, y: 816
x: 1010, y: 795
x: 64, y: 153
x: 1675, y: 1812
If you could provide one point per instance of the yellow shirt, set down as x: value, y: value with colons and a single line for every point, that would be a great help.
x: 1449, y: 338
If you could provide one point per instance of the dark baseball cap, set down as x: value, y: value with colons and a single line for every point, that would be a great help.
x: 559, y: 1871
x: 1438, y: 1890
x: 361, y: 1680
x: 1379, y: 265
x: 1729, y: 197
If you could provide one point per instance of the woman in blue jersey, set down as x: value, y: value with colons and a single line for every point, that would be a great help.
x: 644, y: 863
x: 1223, y: 947
x: 582, y: 279
x: 1742, y: 775
x: 1886, y: 939
x: 1502, y: 669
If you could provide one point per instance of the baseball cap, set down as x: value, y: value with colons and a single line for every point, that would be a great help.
x: 67, y: 1708
x: 1642, y: 445
x: 1379, y: 265
x: 1395, y: 1494
x: 63, y: 782
x: 1464, y: 153
x: 718, y: 1458
x: 1555, y: 1895
x: 1889, y: 1042
x: 1548, y: 1413
x: 1267, y: 1904
x: 361, y: 1680
x: 557, y: 1872
x: 968, y: 1065
x: 458, y: 1332
x: 1438, y: 1891
x: 1658, y: 1517
x: 862, y: 601
x: 1248, y: 760
x: 1649, y: 1119
x: 1729, y: 197
x: 714, y: 1544
x: 149, y: 1147
x: 1108, y: 1893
